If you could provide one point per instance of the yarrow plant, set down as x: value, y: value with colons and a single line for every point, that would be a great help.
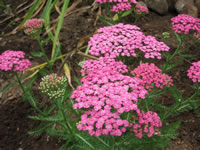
x: 194, y: 72
x: 152, y: 76
x: 119, y: 5
x: 141, y: 10
x: 53, y: 85
x: 186, y: 28
x: 32, y: 27
x: 15, y: 61
x: 125, y: 40
x: 147, y: 122
x: 108, y: 94
x: 185, y: 24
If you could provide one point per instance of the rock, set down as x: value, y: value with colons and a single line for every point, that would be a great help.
x: 186, y: 7
x: 141, y: 3
x: 160, y: 6
x: 190, y: 7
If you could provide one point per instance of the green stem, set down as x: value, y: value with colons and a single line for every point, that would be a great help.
x: 103, y: 142
x: 137, y: 17
x: 44, y: 53
x: 181, y: 105
x: 20, y: 83
x: 33, y: 105
x: 176, y: 52
x: 85, y: 141
x: 68, y: 126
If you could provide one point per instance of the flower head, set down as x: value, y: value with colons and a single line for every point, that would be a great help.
x: 33, y: 26
x: 124, y: 40
x: 119, y: 5
x: 95, y: 65
x: 194, y: 72
x: 185, y: 24
x: 53, y: 85
x: 148, y: 122
x: 141, y: 10
x: 152, y: 76
x: 13, y: 61
x: 102, y: 122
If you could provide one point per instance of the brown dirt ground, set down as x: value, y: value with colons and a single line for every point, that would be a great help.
x: 13, y: 111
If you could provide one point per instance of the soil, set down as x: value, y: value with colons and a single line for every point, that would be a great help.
x: 14, y: 111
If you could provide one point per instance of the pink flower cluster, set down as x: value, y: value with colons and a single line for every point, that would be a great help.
x: 151, y: 76
x: 194, y: 72
x: 93, y: 65
x: 141, y: 10
x: 107, y: 94
x: 102, y: 122
x: 32, y: 26
x: 148, y: 122
x: 13, y: 61
x: 185, y: 24
x: 124, y: 40
x: 119, y: 5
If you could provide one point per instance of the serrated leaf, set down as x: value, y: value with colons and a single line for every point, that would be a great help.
x: 30, y: 83
x: 171, y: 66
x: 77, y: 80
x: 7, y: 86
x: 106, y: 21
x: 178, y: 37
x: 166, y: 55
x: 39, y: 130
x: 54, y: 118
x: 56, y: 132
x: 43, y: 72
x: 37, y: 54
x: 175, y: 93
x: 187, y: 55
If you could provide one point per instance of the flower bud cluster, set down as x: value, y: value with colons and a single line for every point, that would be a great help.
x: 185, y: 24
x: 33, y: 26
x: 119, y: 5
x: 124, y: 40
x: 53, y: 85
x: 151, y: 76
x: 13, y: 61
x: 148, y: 122
x: 141, y: 10
x: 194, y: 72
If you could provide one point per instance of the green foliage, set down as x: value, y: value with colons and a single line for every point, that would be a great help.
x: 54, y: 118
x: 40, y: 129
x: 36, y: 54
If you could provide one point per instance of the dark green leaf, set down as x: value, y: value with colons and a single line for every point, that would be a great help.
x: 30, y: 82
x: 106, y: 21
x: 43, y: 72
x: 37, y: 54
x: 176, y: 94
x: 126, y: 13
x: 187, y: 55
x: 55, y: 118
x: 39, y: 130
x: 6, y: 87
